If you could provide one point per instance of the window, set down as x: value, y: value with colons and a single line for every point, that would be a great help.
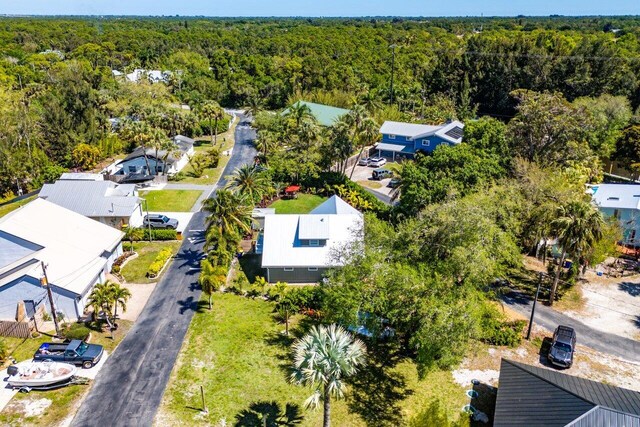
x: 426, y: 142
x: 392, y: 137
x: 312, y: 269
x: 288, y: 269
x: 408, y: 138
x: 314, y: 242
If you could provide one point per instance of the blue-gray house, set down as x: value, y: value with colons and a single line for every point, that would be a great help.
x: 404, y: 140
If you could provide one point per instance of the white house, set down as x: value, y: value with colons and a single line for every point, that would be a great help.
x: 154, y: 76
x: 115, y: 205
x: 300, y: 248
x: 623, y: 202
x: 135, y: 162
x: 77, y: 251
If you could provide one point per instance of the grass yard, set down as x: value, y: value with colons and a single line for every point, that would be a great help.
x: 170, y: 200
x: 226, y: 140
x: 238, y: 353
x: 135, y: 271
x: 10, y: 207
x: 305, y: 203
x: 57, y: 405
x: 370, y: 184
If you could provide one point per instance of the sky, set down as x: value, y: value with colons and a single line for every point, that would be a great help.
x: 326, y: 8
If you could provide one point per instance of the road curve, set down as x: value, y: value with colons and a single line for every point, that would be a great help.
x: 129, y: 387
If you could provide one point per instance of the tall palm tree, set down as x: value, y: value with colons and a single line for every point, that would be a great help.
x: 577, y: 226
x: 170, y: 148
x: 322, y: 358
x: 249, y: 181
x: 212, y: 111
x: 120, y: 297
x: 265, y: 142
x: 211, y: 278
x: 255, y: 105
x: 371, y: 102
x: 157, y: 140
x: 230, y: 214
x: 140, y: 134
x: 369, y: 134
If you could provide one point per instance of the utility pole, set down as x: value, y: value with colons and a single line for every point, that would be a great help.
x: 45, y: 283
x: 393, y: 68
x: 533, y: 307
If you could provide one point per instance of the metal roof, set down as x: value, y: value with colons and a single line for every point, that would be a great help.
x: 13, y: 248
x: 326, y: 115
x: 184, y: 145
x: 313, y: 227
x: 72, y: 244
x: 93, y: 198
x: 451, y: 131
x: 396, y: 148
x: 81, y: 176
x: 617, y: 196
x: 335, y: 205
x: 535, y: 396
x: 600, y: 416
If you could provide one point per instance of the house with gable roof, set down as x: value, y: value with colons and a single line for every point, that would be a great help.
x: 301, y: 248
x: 404, y: 140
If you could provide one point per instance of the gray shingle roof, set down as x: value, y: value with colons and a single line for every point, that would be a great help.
x: 533, y: 396
x: 93, y: 198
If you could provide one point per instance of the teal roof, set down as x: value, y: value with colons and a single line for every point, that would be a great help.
x: 326, y: 115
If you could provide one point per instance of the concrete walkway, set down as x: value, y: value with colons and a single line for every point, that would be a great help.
x: 549, y: 318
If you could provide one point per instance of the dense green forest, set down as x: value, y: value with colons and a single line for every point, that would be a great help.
x: 58, y: 91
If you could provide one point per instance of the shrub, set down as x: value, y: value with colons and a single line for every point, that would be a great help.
x: 496, y: 331
x: 3, y: 350
x: 306, y: 297
x: 76, y: 331
x: 164, y: 234
x: 115, y: 269
x: 159, y: 262
x: 223, y: 125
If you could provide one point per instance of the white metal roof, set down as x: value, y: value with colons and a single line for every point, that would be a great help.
x: 335, y: 205
x: 73, y: 246
x: 617, y: 196
x: 93, y: 198
x: 313, y: 227
x: 282, y: 246
x: 81, y: 176
x: 406, y: 129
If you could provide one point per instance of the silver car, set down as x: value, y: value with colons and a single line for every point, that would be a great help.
x: 160, y: 221
x: 376, y: 162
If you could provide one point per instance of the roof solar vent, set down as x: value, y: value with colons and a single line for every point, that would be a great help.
x: 613, y: 198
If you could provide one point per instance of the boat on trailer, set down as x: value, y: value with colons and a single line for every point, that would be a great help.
x: 40, y: 375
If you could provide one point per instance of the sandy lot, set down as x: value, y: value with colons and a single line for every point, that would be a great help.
x: 611, y: 305
x: 484, y: 364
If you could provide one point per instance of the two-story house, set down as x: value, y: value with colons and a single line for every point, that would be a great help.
x: 404, y: 140
x: 621, y: 201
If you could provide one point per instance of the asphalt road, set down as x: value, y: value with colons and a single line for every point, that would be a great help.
x: 549, y: 318
x: 129, y: 388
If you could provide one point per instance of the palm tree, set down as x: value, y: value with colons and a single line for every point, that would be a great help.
x: 249, y: 181
x: 120, y: 297
x: 101, y: 298
x: 211, y: 278
x: 170, y: 148
x: 212, y: 111
x: 132, y: 233
x: 139, y: 132
x: 265, y: 143
x: 321, y: 359
x: 577, y: 226
x: 299, y: 112
x: 157, y: 140
x: 369, y: 133
x: 371, y: 102
x: 255, y: 105
x: 230, y: 215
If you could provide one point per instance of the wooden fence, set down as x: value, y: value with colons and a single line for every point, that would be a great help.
x: 9, y: 328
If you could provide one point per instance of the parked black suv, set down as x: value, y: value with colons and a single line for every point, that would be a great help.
x: 563, y: 347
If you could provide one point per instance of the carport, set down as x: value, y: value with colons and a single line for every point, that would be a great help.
x: 393, y: 149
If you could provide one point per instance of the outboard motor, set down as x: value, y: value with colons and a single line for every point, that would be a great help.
x: 12, y: 370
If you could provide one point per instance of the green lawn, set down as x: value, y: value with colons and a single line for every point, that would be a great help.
x: 240, y: 356
x: 303, y: 204
x: 170, y: 200
x: 210, y: 176
x: 64, y: 400
x: 135, y: 271
x: 5, y: 209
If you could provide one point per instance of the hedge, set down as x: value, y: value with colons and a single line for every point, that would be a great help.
x: 76, y: 331
x: 159, y: 262
x: 162, y: 234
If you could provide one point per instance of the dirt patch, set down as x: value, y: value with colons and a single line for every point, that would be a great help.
x: 464, y: 377
x: 29, y: 407
x: 610, y: 305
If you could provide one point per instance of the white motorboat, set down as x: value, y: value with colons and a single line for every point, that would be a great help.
x: 39, y: 374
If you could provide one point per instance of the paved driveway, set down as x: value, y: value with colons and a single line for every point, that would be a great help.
x: 362, y: 175
x: 128, y: 391
x: 183, y: 218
